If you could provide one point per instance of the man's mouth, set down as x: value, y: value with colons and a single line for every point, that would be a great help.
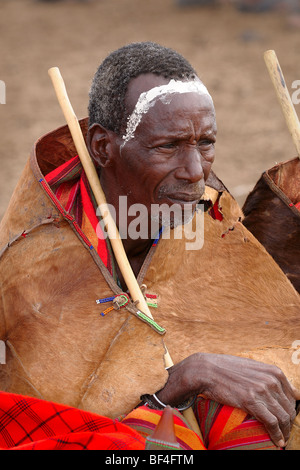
x: 184, y: 198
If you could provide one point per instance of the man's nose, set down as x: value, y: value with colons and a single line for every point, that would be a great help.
x: 190, y: 166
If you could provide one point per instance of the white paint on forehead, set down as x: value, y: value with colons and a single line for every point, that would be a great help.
x: 163, y: 93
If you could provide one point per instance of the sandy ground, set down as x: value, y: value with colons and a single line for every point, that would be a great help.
x: 224, y: 45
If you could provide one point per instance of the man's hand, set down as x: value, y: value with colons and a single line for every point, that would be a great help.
x: 261, y: 390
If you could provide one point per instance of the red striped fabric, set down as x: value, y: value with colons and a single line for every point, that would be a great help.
x: 227, y: 428
x: 71, y: 189
x: 222, y: 427
x: 144, y: 420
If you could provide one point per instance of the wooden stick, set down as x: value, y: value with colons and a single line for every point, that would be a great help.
x: 283, y: 97
x: 93, y: 179
x: 99, y: 195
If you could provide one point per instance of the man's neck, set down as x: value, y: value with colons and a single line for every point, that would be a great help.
x: 136, y: 248
x: 136, y: 251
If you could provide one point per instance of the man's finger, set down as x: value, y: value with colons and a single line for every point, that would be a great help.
x: 284, y: 411
x: 271, y: 423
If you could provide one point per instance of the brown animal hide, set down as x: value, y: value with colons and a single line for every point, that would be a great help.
x: 273, y: 219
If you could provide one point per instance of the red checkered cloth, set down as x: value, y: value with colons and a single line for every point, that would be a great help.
x: 31, y: 424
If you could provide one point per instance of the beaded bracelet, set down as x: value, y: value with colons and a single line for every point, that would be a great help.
x: 154, y: 402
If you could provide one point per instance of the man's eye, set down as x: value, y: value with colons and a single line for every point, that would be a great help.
x: 169, y: 145
x: 206, y: 143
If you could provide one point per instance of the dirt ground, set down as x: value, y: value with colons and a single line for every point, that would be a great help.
x: 225, y: 46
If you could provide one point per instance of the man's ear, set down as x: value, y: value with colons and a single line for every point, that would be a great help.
x: 99, y: 145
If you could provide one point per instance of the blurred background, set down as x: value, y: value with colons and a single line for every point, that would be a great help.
x: 224, y: 41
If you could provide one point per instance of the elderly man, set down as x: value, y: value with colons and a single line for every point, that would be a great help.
x: 72, y: 333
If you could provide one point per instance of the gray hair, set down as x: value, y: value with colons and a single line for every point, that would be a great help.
x: 108, y: 91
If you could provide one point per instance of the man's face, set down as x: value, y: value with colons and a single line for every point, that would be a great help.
x: 170, y: 155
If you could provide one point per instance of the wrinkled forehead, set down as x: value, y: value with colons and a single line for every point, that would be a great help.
x: 144, y: 92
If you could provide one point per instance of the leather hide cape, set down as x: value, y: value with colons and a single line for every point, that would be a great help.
x: 271, y: 215
x: 227, y: 297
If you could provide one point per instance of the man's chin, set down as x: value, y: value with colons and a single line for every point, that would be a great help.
x: 175, y: 215
x: 185, y: 219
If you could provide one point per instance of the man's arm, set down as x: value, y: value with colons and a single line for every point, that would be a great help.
x: 261, y: 390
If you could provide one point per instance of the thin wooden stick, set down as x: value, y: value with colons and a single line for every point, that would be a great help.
x: 112, y: 231
x: 283, y: 96
x: 93, y: 179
